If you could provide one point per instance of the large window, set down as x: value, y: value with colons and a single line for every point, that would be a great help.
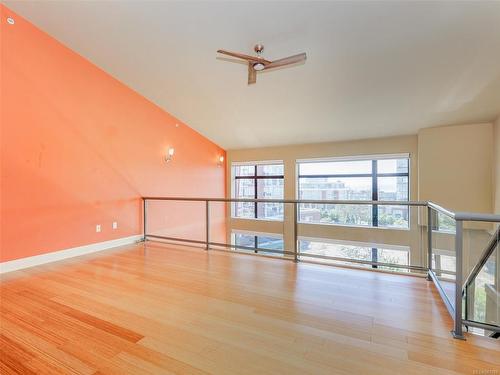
x: 377, y: 179
x: 258, y: 181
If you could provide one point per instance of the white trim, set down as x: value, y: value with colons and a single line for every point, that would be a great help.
x: 355, y: 243
x: 17, y: 264
x: 356, y: 158
x: 260, y: 162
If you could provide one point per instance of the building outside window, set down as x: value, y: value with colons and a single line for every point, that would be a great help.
x: 258, y: 181
x: 261, y: 241
x: 383, y: 178
x: 390, y: 254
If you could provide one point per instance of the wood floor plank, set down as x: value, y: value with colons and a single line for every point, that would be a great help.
x: 157, y: 309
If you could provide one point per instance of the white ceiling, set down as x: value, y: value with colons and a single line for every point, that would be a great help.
x: 373, y: 68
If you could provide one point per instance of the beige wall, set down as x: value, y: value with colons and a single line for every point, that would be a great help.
x: 496, y: 166
x: 449, y: 165
x: 455, y: 164
x: 289, y: 155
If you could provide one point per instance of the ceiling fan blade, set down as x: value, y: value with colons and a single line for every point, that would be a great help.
x: 287, y: 61
x: 252, y: 74
x: 244, y: 57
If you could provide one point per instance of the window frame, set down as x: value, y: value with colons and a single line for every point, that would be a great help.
x: 255, y: 177
x: 374, y: 175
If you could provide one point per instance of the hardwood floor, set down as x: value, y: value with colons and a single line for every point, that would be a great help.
x: 156, y: 309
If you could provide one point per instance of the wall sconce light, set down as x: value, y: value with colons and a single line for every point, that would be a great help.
x: 170, y: 154
x: 221, y: 161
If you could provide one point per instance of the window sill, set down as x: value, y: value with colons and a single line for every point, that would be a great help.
x: 355, y: 226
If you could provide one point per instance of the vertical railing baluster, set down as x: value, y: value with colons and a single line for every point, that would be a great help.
x: 457, y: 330
x: 295, y: 233
x: 144, y: 212
x: 207, y: 224
x: 429, y: 242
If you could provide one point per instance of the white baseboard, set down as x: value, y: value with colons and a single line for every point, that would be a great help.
x: 17, y: 264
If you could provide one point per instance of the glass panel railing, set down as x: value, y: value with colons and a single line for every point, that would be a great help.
x: 267, y: 235
x: 388, y: 237
x: 443, y: 254
x: 481, y: 290
x: 180, y: 221
x: 458, y: 250
x: 370, y: 244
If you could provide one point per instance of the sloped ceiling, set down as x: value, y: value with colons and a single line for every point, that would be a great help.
x: 373, y: 68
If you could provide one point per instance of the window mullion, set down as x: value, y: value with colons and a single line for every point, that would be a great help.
x: 374, y: 207
x: 374, y: 193
x: 255, y: 191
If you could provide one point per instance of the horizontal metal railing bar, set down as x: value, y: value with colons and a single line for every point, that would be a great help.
x: 259, y: 249
x: 444, y: 297
x: 291, y: 201
x: 291, y: 253
x: 445, y: 272
x: 175, y: 239
x: 473, y: 216
x: 441, y: 209
x: 266, y: 177
x: 256, y: 254
x: 485, y: 326
x: 178, y: 239
x: 353, y: 175
x: 361, y: 261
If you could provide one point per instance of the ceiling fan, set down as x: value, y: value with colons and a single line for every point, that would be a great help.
x: 257, y: 63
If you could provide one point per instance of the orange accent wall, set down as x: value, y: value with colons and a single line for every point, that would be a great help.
x: 79, y: 148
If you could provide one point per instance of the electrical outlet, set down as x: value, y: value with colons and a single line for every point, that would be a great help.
x: 115, y: 225
x: 98, y: 228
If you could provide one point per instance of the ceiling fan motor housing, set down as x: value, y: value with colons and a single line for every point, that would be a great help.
x: 258, y: 48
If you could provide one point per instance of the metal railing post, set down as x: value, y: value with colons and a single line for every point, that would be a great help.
x: 144, y: 208
x: 295, y: 233
x: 207, y: 224
x: 429, y: 242
x: 457, y: 330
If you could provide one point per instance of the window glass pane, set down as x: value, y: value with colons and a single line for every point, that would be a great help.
x: 270, y: 188
x: 342, y: 214
x: 272, y: 243
x: 343, y: 188
x: 393, y: 256
x: 446, y: 223
x: 246, y: 240
x: 335, y: 250
x: 244, y: 188
x: 392, y: 188
x: 270, y: 170
x: 244, y: 170
x: 357, y: 252
x: 393, y: 216
x: 348, y: 188
x: 392, y: 166
x: 336, y: 167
